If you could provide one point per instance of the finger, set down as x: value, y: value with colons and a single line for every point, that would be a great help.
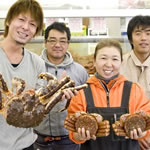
x: 93, y: 137
x: 82, y: 133
x: 88, y: 136
x: 75, y: 92
x: 68, y: 94
x: 133, y: 134
x: 140, y: 133
x: 79, y: 132
x: 63, y: 97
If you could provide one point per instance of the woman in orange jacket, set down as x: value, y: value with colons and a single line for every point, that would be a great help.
x: 109, y: 94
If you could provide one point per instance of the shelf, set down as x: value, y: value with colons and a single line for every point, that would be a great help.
x: 84, y: 39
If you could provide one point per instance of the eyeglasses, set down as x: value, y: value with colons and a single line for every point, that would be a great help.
x: 54, y: 42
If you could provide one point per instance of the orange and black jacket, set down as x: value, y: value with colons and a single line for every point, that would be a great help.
x: 137, y: 100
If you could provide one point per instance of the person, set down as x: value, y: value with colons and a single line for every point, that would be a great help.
x: 109, y: 94
x: 51, y: 133
x: 135, y: 65
x: 23, y: 22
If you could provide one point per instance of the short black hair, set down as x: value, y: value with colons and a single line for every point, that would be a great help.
x: 137, y: 21
x: 61, y: 27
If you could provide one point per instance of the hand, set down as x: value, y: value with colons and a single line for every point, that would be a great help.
x: 83, y: 135
x: 119, y: 128
x: 137, y: 133
x: 68, y: 94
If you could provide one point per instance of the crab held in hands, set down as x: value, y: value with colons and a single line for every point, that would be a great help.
x: 92, y: 122
x: 28, y: 108
x: 128, y: 122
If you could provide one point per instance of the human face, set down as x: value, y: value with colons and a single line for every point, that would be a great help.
x: 22, y: 28
x: 107, y: 62
x: 141, y: 41
x: 56, y: 45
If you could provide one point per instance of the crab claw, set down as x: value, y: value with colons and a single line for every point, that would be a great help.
x: 47, y: 76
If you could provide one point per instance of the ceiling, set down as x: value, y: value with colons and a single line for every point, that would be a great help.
x: 51, y: 4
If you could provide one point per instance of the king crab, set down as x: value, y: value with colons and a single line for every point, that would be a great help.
x: 92, y: 122
x: 28, y: 108
x: 129, y: 122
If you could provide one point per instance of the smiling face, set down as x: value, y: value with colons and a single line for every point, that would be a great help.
x: 108, y: 62
x: 56, y: 45
x: 141, y: 42
x: 22, y: 29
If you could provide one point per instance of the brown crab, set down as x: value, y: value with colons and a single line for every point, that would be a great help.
x: 128, y: 122
x: 92, y: 122
x: 28, y: 108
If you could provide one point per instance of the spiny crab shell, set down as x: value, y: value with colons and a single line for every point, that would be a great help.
x: 89, y: 122
x: 27, y: 108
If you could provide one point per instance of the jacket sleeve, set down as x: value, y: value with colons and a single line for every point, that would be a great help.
x: 138, y: 100
x: 77, y: 103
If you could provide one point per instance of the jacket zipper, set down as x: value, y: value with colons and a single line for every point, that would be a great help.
x: 107, y: 95
x: 107, y: 91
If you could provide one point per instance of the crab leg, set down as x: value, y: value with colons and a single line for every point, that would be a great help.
x: 60, y: 85
x: 72, y: 89
x: 19, y: 84
x: 3, y: 85
x: 70, y: 84
x: 58, y: 95
x: 54, y: 100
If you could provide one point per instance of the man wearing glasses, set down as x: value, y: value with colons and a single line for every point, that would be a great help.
x: 51, y: 133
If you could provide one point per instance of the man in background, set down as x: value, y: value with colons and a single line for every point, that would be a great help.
x: 136, y: 63
x: 51, y: 133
